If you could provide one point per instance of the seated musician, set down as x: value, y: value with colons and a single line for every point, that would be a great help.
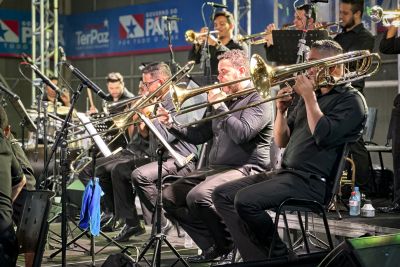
x: 144, y: 177
x: 314, y: 134
x: 52, y: 97
x: 116, y: 88
x: 240, y: 147
x: 12, y: 181
x: 224, y: 24
x: 17, y: 151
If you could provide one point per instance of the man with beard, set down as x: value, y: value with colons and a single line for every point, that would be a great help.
x: 224, y: 24
x: 355, y: 36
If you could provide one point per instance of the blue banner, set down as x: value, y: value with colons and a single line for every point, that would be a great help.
x: 15, y: 33
x: 137, y: 29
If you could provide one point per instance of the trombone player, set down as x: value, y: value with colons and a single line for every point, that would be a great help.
x: 224, y: 25
x: 240, y: 147
x: 324, y: 120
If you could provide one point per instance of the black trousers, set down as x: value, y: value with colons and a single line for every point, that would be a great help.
x: 144, y: 179
x: 359, y: 155
x: 243, y: 204
x: 188, y: 201
x: 8, y: 247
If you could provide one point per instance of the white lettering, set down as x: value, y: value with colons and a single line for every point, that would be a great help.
x: 91, y: 38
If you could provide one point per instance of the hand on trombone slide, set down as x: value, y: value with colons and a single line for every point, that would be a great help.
x: 164, y: 116
x: 283, y: 102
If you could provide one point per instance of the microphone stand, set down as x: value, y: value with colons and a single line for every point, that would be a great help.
x: 303, y: 48
x: 61, y: 140
x: 205, y: 55
x: 174, y: 66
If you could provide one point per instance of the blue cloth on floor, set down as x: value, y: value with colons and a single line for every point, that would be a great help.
x: 90, y: 209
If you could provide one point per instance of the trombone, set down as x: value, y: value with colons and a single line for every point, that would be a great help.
x: 265, y: 76
x: 388, y: 17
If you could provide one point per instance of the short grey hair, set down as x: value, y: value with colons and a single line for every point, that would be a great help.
x: 158, y: 70
x: 238, y: 58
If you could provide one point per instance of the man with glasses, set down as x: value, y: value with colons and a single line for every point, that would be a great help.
x: 144, y: 177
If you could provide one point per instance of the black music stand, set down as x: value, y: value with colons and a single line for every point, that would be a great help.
x: 159, y: 237
x: 286, y: 44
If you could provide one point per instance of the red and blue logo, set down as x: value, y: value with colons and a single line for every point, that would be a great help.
x: 9, y: 31
x: 131, y: 26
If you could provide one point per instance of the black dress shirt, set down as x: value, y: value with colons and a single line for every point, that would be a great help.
x: 344, y: 116
x: 238, y: 139
x: 358, y: 38
x: 390, y: 46
x: 215, y: 51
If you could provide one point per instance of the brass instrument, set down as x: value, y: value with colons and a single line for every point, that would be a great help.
x: 111, y: 107
x: 265, y: 76
x: 258, y: 38
x: 192, y: 36
x: 388, y: 17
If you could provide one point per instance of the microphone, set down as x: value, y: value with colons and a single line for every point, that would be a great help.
x: 8, y: 92
x: 172, y: 18
x: 216, y: 5
x: 86, y: 81
x: 63, y: 57
x: 44, y: 78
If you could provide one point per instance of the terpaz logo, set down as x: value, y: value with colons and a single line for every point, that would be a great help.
x: 9, y: 31
x: 131, y: 26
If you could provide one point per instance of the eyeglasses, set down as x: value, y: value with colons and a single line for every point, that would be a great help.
x: 148, y: 84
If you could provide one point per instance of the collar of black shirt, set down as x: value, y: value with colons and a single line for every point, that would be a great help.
x: 356, y: 29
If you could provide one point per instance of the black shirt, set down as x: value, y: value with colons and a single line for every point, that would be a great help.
x: 358, y: 38
x: 10, y: 175
x: 240, y: 138
x: 215, y: 51
x: 390, y: 46
x: 344, y: 112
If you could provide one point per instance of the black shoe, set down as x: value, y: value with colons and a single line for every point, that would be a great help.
x: 392, y: 208
x: 113, y: 225
x: 129, y: 231
x: 225, y: 259
x: 167, y: 227
x: 208, y: 255
x: 106, y: 218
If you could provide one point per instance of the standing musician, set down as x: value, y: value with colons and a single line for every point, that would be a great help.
x: 355, y: 36
x: 390, y: 44
x: 240, y: 147
x: 299, y: 22
x: 224, y: 24
x: 314, y: 135
x: 144, y: 177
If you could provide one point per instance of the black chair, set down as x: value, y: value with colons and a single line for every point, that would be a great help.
x: 306, y: 206
x: 31, y: 210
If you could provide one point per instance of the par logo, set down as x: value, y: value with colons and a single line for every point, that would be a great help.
x: 131, y: 26
x: 9, y: 31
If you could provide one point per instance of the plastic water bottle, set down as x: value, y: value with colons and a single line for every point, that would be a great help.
x: 354, y: 205
x: 358, y: 194
x: 188, y: 241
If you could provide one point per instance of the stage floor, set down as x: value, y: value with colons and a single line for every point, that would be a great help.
x: 78, y: 255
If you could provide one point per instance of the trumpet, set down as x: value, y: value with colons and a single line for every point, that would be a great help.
x: 258, y: 38
x: 264, y: 77
x: 192, y: 36
x: 388, y: 17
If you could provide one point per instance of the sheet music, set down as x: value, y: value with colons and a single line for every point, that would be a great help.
x: 93, y: 132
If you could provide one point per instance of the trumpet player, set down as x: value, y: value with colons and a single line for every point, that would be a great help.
x: 224, y: 24
x: 325, y: 119
x: 355, y: 36
x: 240, y: 146
x: 299, y: 23
x: 390, y: 43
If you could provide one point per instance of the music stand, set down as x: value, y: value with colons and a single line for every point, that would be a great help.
x: 160, y: 237
x: 286, y: 44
